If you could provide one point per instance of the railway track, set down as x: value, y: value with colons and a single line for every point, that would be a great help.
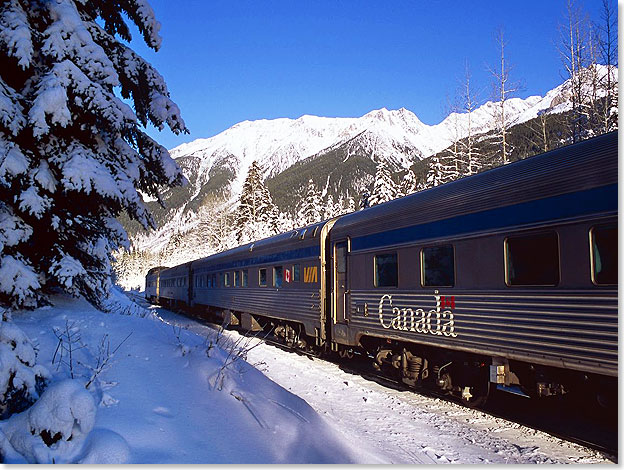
x: 556, y: 417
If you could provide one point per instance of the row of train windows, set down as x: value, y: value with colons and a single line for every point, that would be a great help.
x: 530, y: 260
x: 174, y: 282
x: 241, y: 278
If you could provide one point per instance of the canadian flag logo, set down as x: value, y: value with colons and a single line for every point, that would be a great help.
x: 447, y: 301
x: 287, y: 275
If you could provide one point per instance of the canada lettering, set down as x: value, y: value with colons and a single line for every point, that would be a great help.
x: 435, y: 321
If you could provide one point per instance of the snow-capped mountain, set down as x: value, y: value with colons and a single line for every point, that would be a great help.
x: 397, y: 136
x: 219, y: 164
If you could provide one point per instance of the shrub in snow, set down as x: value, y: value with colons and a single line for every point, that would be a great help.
x: 56, y: 430
x: 21, y: 379
x: 233, y: 355
x: 73, y: 155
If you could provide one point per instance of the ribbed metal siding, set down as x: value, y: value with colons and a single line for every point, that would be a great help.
x: 575, y: 329
x: 298, y: 305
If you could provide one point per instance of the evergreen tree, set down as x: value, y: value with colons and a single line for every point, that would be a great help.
x: 408, y: 184
x: 351, y: 205
x: 365, y: 200
x: 435, y: 176
x: 72, y: 153
x: 256, y: 216
x: 330, y: 208
x: 311, y: 209
x: 384, y: 188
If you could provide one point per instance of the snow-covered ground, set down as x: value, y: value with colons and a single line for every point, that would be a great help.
x: 168, y: 399
x: 403, y: 427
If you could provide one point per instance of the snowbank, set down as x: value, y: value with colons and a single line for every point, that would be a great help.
x: 165, y: 397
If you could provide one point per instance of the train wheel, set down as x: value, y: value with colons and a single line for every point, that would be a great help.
x: 471, y: 383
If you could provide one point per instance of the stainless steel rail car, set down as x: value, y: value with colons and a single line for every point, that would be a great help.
x: 507, y: 278
x: 174, y: 285
x: 274, y: 279
x: 152, y: 282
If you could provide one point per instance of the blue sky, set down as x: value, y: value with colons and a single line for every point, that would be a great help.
x: 227, y: 61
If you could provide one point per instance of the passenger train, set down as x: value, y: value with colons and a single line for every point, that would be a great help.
x: 506, y: 279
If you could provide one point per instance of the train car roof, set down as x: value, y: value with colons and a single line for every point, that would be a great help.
x: 156, y: 270
x: 294, y: 241
x: 175, y: 270
x: 580, y: 167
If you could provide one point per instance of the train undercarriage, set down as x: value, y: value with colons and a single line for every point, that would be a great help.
x: 473, y: 378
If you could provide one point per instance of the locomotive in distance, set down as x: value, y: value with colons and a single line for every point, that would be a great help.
x: 506, y: 279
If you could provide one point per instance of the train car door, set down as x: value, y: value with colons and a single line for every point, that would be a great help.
x: 191, y: 285
x: 341, y: 289
x: 157, y: 286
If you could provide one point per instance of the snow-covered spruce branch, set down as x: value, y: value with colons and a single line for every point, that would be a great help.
x: 66, y: 134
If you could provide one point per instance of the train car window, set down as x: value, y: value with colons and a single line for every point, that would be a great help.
x: 438, y: 266
x: 296, y: 273
x: 245, y: 278
x: 226, y: 279
x: 214, y: 280
x: 237, y: 276
x: 386, y: 270
x: 262, y: 277
x: 278, y: 276
x: 604, y: 254
x: 532, y: 260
